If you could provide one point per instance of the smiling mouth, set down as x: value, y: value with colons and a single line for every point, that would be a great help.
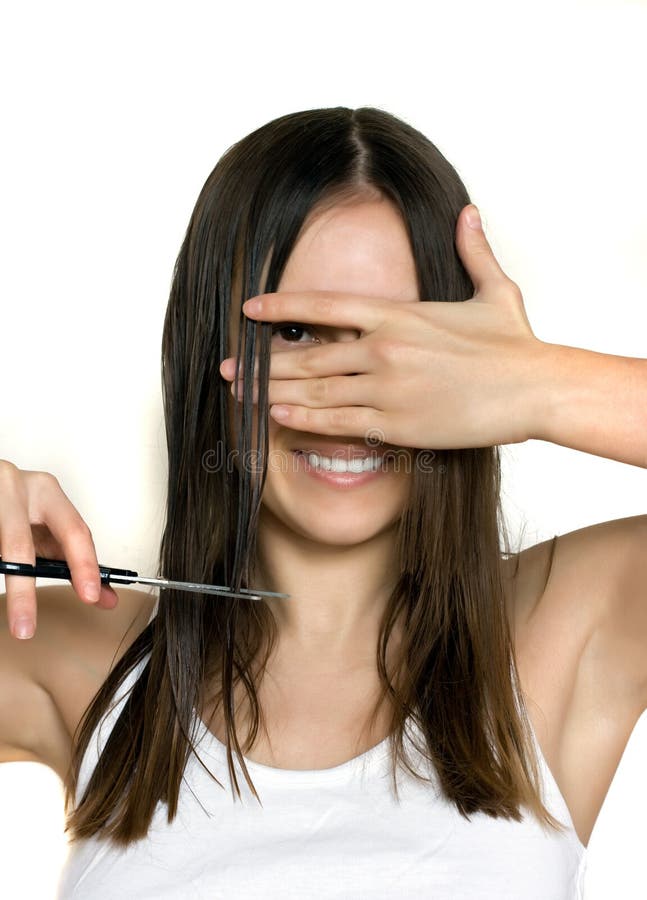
x: 354, y: 465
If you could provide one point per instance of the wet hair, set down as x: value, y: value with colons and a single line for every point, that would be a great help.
x: 455, y: 674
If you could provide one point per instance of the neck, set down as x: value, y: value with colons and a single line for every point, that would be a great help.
x: 337, y: 593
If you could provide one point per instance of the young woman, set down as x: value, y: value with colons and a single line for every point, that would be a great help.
x: 428, y: 714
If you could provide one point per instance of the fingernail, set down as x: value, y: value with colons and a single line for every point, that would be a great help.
x: 473, y: 217
x: 24, y: 628
x: 91, y: 592
x: 252, y: 307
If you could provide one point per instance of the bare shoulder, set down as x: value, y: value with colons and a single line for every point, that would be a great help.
x: 62, y: 617
x: 586, y: 582
x: 594, y: 573
x: 587, y: 591
x: 612, y: 564
x: 81, y: 643
x: 63, y: 666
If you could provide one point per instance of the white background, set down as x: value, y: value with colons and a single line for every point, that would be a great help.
x: 113, y: 115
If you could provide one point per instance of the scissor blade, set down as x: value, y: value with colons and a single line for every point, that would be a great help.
x: 220, y: 590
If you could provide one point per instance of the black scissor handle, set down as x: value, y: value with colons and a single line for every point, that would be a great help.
x: 58, y: 568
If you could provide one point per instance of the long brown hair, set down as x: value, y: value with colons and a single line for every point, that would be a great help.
x: 455, y: 675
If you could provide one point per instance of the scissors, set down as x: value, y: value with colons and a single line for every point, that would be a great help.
x: 58, y: 568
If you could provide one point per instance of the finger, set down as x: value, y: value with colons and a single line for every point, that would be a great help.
x: 334, y: 390
x: 353, y: 421
x: 319, y: 308
x: 16, y: 546
x: 322, y: 360
x: 50, y: 506
x: 48, y: 547
x: 334, y: 358
x: 45, y: 543
x: 474, y: 250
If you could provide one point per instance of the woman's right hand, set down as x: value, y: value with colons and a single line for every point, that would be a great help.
x: 37, y: 519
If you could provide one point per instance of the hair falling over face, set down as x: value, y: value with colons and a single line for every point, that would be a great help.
x: 455, y: 674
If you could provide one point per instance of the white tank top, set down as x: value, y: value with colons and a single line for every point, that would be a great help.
x: 327, y: 833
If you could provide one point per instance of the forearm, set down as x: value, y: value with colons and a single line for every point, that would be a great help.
x: 594, y: 402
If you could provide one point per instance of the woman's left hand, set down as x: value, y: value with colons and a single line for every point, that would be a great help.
x: 422, y: 374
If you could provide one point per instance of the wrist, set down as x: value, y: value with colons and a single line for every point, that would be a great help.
x: 547, y: 388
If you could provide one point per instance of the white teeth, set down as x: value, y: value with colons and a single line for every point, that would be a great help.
x: 342, y: 465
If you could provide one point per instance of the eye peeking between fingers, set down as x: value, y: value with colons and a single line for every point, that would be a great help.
x: 288, y: 333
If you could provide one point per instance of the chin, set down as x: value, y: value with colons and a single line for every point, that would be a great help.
x: 334, y: 518
x: 337, y: 525
x: 335, y: 535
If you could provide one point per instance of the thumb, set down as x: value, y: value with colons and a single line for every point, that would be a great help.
x: 474, y: 250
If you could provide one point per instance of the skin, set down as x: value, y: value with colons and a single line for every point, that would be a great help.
x: 332, y: 550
